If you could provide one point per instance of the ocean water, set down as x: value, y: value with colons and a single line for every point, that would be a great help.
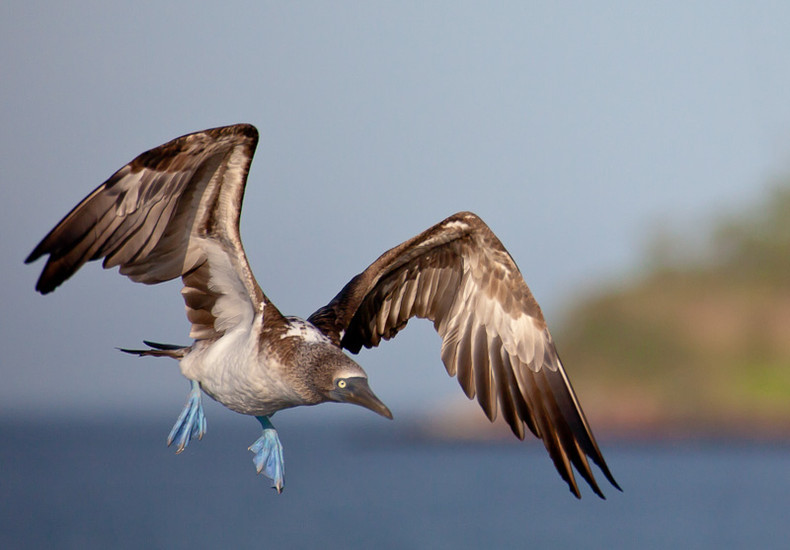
x: 114, y: 484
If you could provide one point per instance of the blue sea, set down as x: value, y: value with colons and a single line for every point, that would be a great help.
x: 114, y: 484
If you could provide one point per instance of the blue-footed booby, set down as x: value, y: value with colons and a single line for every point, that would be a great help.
x: 174, y: 212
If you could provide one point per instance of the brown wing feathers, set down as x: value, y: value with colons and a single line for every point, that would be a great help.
x: 142, y: 212
x: 148, y: 217
x: 494, y: 338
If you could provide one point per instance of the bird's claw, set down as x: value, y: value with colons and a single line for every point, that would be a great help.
x: 268, y: 457
x: 191, y: 422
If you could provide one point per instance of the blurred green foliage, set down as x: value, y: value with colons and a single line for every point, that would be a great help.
x: 700, y: 340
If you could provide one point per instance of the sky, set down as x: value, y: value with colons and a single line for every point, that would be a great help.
x: 574, y: 129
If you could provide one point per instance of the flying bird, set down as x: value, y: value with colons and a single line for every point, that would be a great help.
x: 174, y: 212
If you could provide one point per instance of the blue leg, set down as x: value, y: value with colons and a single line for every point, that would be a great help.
x: 269, y: 454
x: 191, y: 422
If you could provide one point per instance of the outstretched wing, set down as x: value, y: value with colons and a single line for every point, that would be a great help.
x: 494, y: 337
x: 171, y: 212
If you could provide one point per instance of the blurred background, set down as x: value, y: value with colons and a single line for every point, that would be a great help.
x: 633, y: 159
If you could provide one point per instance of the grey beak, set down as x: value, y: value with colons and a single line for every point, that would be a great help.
x: 359, y: 393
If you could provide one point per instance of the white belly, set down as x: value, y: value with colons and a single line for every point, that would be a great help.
x: 233, y: 372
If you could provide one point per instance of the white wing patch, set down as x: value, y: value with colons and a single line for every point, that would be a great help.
x: 297, y: 328
x: 456, y: 224
x: 444, y: 236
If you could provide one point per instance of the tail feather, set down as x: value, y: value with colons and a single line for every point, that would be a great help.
x: 157, y: 345
x: 158, y: 350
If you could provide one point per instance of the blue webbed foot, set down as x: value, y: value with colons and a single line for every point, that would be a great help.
x: 268, y: 451
x: 191, y: 422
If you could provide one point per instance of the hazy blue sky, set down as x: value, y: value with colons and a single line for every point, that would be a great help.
x: 573, y: 129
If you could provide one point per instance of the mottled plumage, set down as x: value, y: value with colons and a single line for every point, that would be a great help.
x: 174, y: 212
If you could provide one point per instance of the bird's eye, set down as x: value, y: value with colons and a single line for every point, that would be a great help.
x: 341, y: 384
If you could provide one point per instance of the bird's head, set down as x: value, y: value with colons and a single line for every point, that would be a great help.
x: 355, y: 389
x: 338, y: 378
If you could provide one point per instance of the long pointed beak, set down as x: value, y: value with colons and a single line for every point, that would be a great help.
x: 359, y: 393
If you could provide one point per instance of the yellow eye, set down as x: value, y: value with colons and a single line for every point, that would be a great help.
x: 341, y: 384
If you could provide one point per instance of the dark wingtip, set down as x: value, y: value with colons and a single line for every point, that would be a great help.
x: 45, y: 288
x: 51, y: 277
x: 32, y: 257
x: 598, y: 492
x: 41, y: 286
x: 37, y: 252
x: 605, y: 469
x: 575, y: 491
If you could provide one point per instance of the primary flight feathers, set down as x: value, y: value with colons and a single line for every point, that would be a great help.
x: 174, y: 212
